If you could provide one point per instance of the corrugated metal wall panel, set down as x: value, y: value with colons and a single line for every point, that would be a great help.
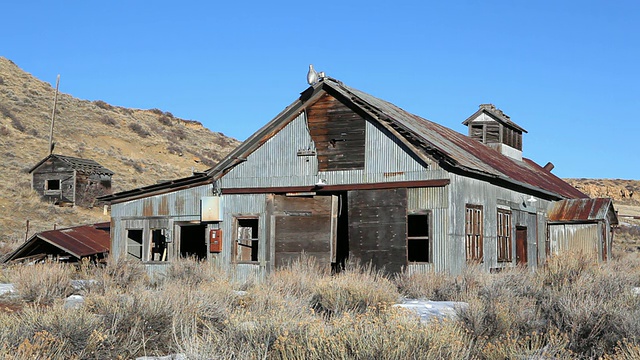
x: 242, y: 204
x: 182, y: 203
x: 464, y: 190
x: 574, y: 238
x: 386, y: 154
x: 276, y: 162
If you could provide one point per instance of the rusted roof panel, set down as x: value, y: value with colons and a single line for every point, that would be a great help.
x: 79, y: 241
x: 465, y: 152
x: 582, y: 210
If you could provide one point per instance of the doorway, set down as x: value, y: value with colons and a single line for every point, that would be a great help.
x: 193, y: 241
x: 521, y: 245
x: 342, y: 233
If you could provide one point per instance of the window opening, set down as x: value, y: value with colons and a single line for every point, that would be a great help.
x: 247, y: 239
x: 418, y: 239
x: 504, y: 236
x: 473, y: 233
x: 134, y: 243
x: 52, y: 185
x: 193, y: 241
x: 158, y: 246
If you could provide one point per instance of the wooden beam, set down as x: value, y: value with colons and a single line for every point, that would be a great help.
x: 341, y: 187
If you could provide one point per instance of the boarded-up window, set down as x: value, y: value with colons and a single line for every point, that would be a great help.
x: 158, y: 246
x: 477, y: 132
x: 504, y: 236
x: 134, y: 243
x: 52, y: 185
x: 418, y: 239
x: 473, y: 232
x: 247, y: 239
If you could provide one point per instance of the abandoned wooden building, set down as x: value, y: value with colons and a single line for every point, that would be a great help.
x: 341, y: 174
x: 73, y: 244
x: 67, y: 180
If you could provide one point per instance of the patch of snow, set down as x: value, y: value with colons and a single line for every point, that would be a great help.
x: 635, y: 291
x: 73, y: 302
x: 428, y: 310
x: 7, y: 289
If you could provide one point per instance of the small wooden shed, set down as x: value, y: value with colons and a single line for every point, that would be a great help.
x: 70, y: 180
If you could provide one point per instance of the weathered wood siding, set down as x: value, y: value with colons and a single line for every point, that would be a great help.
x: 304, y: 224
x: 338, y: 133
x: 464, y: 190
x: 378, y: 228
x: 276, y: 163
x: 55, y: 169
x: 88, y: 187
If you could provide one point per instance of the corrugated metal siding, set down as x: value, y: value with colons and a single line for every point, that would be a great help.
x: 428, y: 198
x: 574, y: 238
x: 386, y: 154
x: 184, y: 204
x: 243, y: 204
x: 276, y: 162
x: 464, y: 190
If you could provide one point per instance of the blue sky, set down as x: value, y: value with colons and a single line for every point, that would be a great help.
x: 566, y: 71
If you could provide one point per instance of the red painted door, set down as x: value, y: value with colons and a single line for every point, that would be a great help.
x: 521, y: 245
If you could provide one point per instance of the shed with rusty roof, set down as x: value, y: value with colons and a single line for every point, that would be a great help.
x: 70, y: 180
x: 65, y: 245
x: 582, y: 226
x: 341, y: 174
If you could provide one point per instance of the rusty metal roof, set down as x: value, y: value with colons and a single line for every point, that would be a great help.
x: 460, y: 150
x: 79, y: 241
x: 86, y: 166
x: 581, y: 210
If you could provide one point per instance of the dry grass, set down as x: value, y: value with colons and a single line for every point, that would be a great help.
x: 570, y: 309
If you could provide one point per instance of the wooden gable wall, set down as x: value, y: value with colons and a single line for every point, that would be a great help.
x: 339, y: 134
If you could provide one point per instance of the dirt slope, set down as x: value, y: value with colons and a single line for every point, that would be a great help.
x: 140, y: 146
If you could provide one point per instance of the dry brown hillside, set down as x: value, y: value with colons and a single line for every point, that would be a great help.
x: 140, y: 146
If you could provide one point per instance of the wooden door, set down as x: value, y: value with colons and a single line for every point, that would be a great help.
x: 305, y: 224
x: 521, y: 245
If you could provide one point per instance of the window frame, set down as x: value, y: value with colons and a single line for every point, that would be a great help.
x: 504, y: 236
x: 47, y: 186
x: 150, y: 246
x: 474, y: 233
x: 428, y: 237
x: 142, y: 252
x: 255, y: 241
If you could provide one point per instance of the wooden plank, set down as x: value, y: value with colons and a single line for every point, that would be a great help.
x: 377, y: 227
x: 342, y: 187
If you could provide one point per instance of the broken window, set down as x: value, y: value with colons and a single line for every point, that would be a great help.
x: 158, y: 245
x: 134, y: 243
x: 504, y: 236
x: 52, y: 185
x: 247, y: 239
x: 473, y: 232
x: 418, y: 239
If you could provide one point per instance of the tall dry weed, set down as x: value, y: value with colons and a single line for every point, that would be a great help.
x: 43, y: 283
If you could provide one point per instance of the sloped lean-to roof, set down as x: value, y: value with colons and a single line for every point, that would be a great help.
x: 86, y: 166
x: 583, y: 210
x: 78, y: 242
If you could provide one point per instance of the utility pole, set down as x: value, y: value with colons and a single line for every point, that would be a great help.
x: 53, y: 116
